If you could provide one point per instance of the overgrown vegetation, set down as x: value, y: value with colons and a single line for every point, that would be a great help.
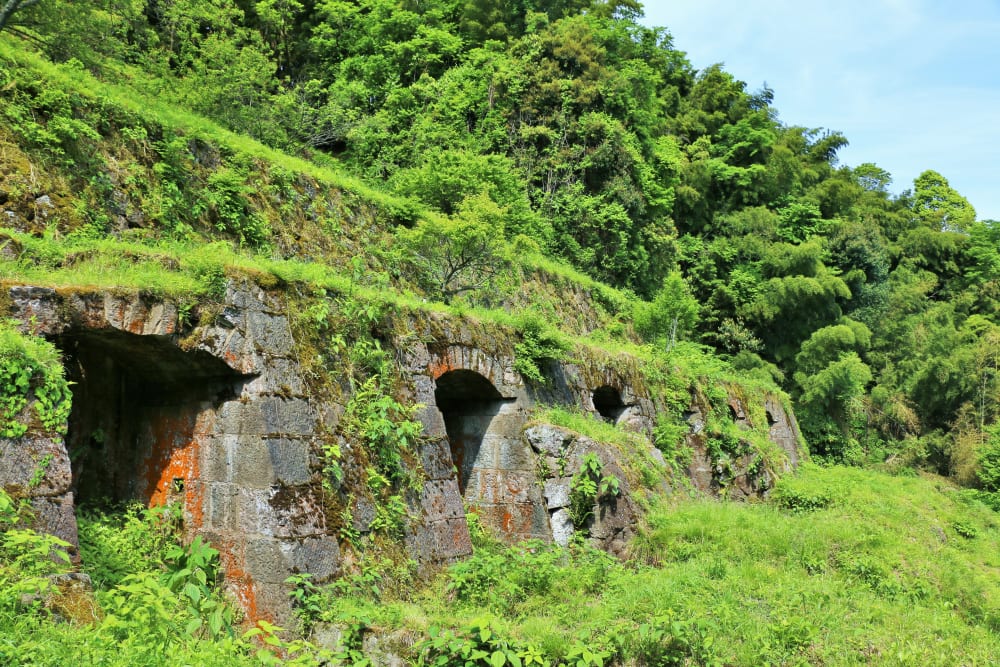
x: 544, y: 170
x: 152, y: 597
x: 844, y: 567
x: 30, y: 369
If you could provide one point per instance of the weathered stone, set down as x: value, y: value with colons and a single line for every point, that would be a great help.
x: 318, y: 556
x: 328, y: 636
x: 278, y: 376
x: 222, y: 511
x: 241, y: 418
x: 440, y: 500
x: 252, y: 459
x: 279, y: 512
x: 36, y: 307
x: 548, y: 440
x: 432, y: 420
x: 270, y: 333
x: 363, y: 514
x: 562, y: 527
x: 557, y: 492
x: 384, y: 651
x: 35, y: 466
x: 289, y: 460
x: 265, y: 561
x: 501, y: 487
x: 218, y: 458
x: 288, y: 417
x: 55, y: 516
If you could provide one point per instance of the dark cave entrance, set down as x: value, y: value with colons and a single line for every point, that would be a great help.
x: 469, y: 403
x: 140, y: 408
x: 608, y: 403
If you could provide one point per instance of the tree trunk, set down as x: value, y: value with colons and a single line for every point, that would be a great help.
x: 10, y: 6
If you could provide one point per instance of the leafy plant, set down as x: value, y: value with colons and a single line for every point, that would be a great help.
x: 587, y: 486
x: 30, y: 368
x: 540, y: 343
x: 478, y: 643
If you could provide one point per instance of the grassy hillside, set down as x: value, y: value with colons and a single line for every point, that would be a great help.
x: 618, y: 205
x: 841, y: 567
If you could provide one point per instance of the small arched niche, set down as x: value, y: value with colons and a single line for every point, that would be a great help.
x: 608, y: 403
x: 468, y: 402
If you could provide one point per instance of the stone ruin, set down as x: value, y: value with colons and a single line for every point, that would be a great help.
x: 221, y: 422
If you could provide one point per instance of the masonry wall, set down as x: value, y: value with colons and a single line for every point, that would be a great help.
x: 220, y: 420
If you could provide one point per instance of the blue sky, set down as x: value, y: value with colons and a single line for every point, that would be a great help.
x: 912, y: 84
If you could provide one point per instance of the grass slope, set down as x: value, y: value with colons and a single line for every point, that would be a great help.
x: 843, y: 567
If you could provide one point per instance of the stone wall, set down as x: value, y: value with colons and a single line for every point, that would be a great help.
x: 219, y: 418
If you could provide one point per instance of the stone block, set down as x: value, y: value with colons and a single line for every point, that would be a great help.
x: 36, y: 466
x: 318, y: 556
x: 548, y: 440
x: 289, y: 460
x: 280, y: 512
x: 38, y: 306
x: 245, y: 297
x: 55, y: 516
x: 440, y: 501
x: 502, y: 486
x: 218, y: 457
x: 264, y: 561
x: 252, y: 463
x: 222, y: 507
x: 514, y: 454
x: 562, y: 527
x: 440, y: 541
x: 271, y: 602
x: 557, y: 492
x: 518, y: 521
x: 432, y: 420
x: 435, y: 456
x: 423, y: 389
x: 278, y: 376
x: 269, y: 333
x: 288, y: 417
x: 240, y: 418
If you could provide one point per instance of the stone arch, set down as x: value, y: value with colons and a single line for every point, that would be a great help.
x: 608, y: 403
x: 469, y: 403
x: 495, y: 467
x: 140, y: 406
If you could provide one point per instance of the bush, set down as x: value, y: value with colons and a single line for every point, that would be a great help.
x: 988, y: 458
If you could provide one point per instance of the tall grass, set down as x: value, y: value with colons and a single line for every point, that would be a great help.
x: 891, y: 571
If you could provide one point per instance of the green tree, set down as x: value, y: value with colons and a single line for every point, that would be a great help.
x: 454, y: 255
x: 672, y: 313
x: 939, y: 206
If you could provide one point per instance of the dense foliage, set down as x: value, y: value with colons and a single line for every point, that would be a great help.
x: 574, y: 126
x: 443, y: 154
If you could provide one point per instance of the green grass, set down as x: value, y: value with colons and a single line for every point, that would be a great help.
x: 882, y: 575
x: 81, y: 82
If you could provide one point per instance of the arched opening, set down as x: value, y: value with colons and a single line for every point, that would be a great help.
x: 771, y: 421
x: 496, y: 468
x: 134, y: 423
x: 468, y: 402
x: 608, y: 403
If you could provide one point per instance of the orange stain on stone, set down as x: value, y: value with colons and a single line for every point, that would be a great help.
x: 441, y: 367
x: 241, y: 584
